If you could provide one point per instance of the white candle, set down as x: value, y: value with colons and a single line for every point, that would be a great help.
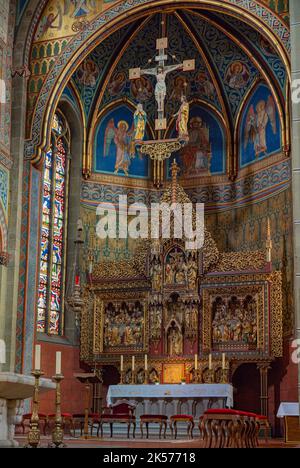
x: 146, y: 362
x: 58, y: 363
x: 196, y: 361
x: 210, y: 362
x: 37, y: 365
x: 223, y: 361
x: 122, y: 363
x: 133, y: 363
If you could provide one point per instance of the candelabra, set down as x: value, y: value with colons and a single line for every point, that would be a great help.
x: 34, y: 435
x: 133, y: 377
x: 211, y: 376
x: 197, y: 376
x: 58, y: 432
x: 122, y: 377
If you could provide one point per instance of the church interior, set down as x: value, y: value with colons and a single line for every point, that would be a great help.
x: 108, y: 109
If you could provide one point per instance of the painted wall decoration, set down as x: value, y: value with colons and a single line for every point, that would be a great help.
x: 4, y: 188
x: 205, y: 153
x: 260, y: 134
x: 114, y: 150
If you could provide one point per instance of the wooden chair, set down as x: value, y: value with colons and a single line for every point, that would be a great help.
x: 182, y: 418
x: 264, y: 425
x: 147, y: 419
x: 121, y: 412
x: 67, y: 420
x: 79, y: 419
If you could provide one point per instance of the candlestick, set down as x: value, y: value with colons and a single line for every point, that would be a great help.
x: 34, y: 435
x: 122, y: 363
x: 196, y: 362
x: 210, y: 362
x: 223, y: 361
x: 37, y: 365
x: 58, y: 433
x: 146, y: 362
x: 133, y: 363
x: 58, y: 363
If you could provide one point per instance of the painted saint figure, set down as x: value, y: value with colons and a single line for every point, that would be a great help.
x: 122, y: 138
x: 256, y: 125
x: 140, y: 120
x: 183, y: 119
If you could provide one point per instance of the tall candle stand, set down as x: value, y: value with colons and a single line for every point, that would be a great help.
x: 122, y: 377
x: 58, y: 432
x: 211, y: 376
x: 34, y: 435
x: 133, y: 377
x: 197, y: 376
x: 225, y: 375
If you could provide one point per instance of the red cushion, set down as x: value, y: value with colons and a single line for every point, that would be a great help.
x: 122, y: 408
x: 222, y: 411
x: 247, y: 413
x: 154, y: 416
x: 63, y: 415
x: 116, y: 416
x: 183, y: 416
x: 261, y: 417
x: 29, y: 416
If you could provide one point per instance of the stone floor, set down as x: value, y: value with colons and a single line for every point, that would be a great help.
x: 153, y: 443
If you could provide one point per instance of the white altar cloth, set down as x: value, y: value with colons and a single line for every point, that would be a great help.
x: 165, y: 392
x: 288, y: 409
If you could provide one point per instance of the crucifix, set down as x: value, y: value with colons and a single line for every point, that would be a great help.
x: 160, y: 72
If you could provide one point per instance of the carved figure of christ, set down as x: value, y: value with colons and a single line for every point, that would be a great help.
x: 160, y: 73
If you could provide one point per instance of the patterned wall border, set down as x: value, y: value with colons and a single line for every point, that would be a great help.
x: 250, y: 9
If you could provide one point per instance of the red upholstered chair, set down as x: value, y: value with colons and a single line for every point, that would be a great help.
x: 42, y: 418
x: 121, y: 412
x: 182, y: 418
x: 160, y: 419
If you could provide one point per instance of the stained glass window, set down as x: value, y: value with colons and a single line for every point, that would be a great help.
x: 51, y: 281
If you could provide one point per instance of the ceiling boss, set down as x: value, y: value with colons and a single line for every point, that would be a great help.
x: 161, y: 149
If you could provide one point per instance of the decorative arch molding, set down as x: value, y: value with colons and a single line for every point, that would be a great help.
x: 259, y: 17
x: 3, y: 231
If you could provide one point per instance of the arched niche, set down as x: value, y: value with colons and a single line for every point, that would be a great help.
x: 259, y: 127
x: 206, y: 152
x: 114, y: 152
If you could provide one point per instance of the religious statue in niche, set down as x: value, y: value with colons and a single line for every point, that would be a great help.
x: 122, y: 137
x: 156, y: 273
x: 124, y: 325
x: 140, y: 121
x: 155, y: 321
x: 88, y: 73
x: 175, y: 341
x: 237, y: 75
x: 117, y: 84
x: 183, y: 119
x: 142, y: 89
x: 256, y: 125
x: 196, y: 155
x: 176, y: 269
x: 234, y: 320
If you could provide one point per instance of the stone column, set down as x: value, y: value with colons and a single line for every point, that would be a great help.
x: 295, y: 32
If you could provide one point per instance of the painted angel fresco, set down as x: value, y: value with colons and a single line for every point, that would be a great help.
x: 122, y: 138
x: 256, y: 125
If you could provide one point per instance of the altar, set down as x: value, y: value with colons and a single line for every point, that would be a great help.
x: 193, y: 399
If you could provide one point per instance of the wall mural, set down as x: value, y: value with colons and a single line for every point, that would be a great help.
x: 114, y: 149
x: 260, y: 134
x: 205, y: 153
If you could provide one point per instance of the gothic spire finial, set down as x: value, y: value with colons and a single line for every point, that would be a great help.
x: 174, y: 172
